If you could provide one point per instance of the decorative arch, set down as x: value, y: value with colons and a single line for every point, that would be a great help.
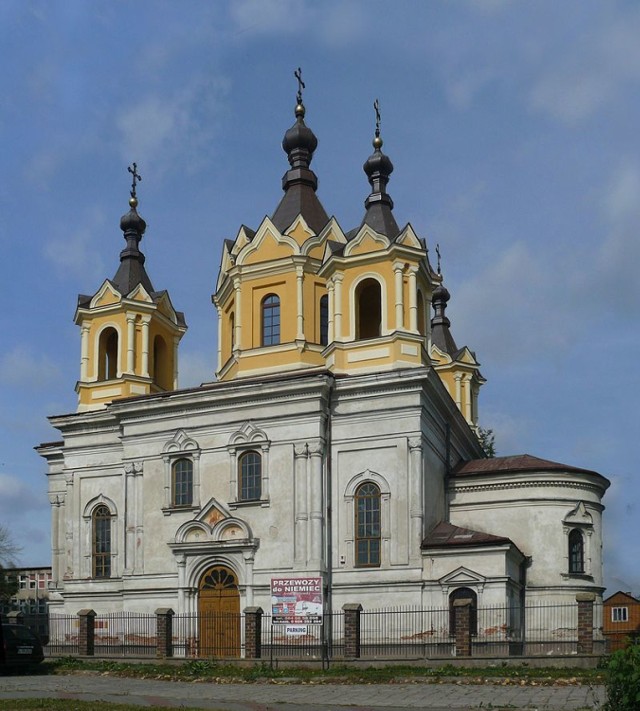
x: 463, y: 593
x: 108, y: 347
x: 368, y: 527
x: 181, y: 486
x: 100, y: 541
x: 162, y: 367
x: 270, y: 331
x: 378, y: 322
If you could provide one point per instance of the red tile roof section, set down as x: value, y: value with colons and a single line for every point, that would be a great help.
x: 446, y: 534
x: 515, y: 463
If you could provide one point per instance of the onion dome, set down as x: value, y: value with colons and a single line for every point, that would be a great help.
x: 440, y: 323
x: 300, y: 182
x: 379, y: 205
x: 299, y: 141
x: 131, y: 271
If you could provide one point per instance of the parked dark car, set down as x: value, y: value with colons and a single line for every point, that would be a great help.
x: 20, y: 647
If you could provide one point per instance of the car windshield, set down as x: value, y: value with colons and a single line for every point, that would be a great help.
x: 21, y: 634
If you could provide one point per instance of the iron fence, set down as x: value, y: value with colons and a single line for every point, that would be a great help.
x: 405, y: 632
x: 400, y: 632
x: 313, y: 642
x: 123, y: 634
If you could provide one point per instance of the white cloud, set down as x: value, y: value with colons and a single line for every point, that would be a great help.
x: 594, y: 71
x: 17, y: 498
x: 159, y: 129
x: 74, y: 254
x: 334, y: 23
x: 195, y: 368
x: 21, y: 367
x: 613, y: 267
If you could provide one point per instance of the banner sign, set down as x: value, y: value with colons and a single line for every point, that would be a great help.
x: 296, y: 601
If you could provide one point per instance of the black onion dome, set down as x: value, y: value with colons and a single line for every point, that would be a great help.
x: 441, y: 293
x: 300, y: 182
x: 132, y: 222
x: 378, y: 162
x: 131, y: 271
x: 299, y: 141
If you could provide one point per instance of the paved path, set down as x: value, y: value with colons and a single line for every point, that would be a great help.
x: 298, y: 697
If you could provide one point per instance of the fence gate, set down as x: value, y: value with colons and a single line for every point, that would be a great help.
x: 219, y: 613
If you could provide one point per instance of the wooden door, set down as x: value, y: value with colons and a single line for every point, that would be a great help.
x: 219, y: 613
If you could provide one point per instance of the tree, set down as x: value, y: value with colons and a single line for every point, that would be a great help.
x: 9, y: 549
x: 487, y: 441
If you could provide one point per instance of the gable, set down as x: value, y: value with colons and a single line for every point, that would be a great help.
x: 105, y: 296
x: 365, y: 242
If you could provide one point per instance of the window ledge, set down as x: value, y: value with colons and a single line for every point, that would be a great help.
x: 577, y: 576
x: 179, y: 509
x: 264, y: 503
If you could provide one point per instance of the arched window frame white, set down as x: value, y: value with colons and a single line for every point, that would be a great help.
x: 580, y: 519
x: 96, y: 349
x: 386, y: 522
x: 180, y: 446
x: 384, y: 327
x: 248, y: 438
x: 87, y: 537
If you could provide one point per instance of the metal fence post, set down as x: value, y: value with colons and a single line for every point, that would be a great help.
x: 87, y: 624
x: 351, y: 613
x: 462, y: 617
x: 585, y: 622
x: 253, y: 632
x: 164, y: 632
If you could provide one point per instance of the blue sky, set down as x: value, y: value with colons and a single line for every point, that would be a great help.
x: 513, y: 128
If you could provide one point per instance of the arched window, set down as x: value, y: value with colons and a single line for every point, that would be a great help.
x: 463, y: 594
x: 182, y: 482
x: 161, y: 366
x: 270, y: 320
x: 367, y: 525
x: 250, y: 476
x: 422, y: 324
x: 108, y: 354
x: 232, y: 331
x: 368, y: 309
x: 324, y: 320
x: 576, y: 552
x: 101, y: 542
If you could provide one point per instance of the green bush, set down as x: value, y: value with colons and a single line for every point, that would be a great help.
x: 623, y: 680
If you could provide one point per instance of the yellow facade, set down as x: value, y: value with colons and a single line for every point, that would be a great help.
x: 129, y: 346
x: 300, y: 268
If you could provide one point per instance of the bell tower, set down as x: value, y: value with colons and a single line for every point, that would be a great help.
x: 129, y: 332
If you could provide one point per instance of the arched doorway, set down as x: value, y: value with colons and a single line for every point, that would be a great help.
x: 219, y: 613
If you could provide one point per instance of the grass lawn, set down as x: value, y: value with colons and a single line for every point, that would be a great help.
x: 219, y: 672
x: 69, y: 705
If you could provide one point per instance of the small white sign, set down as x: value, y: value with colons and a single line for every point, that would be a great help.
x: 296, y: 630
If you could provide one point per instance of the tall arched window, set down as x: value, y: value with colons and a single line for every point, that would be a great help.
x: 367, y: 525
x: 576, y: 552
x: 101, y: 542
x: 324, y: 320
x: 182, y: 482
x: 232, y: 331
x: 250, y: 476
x: 108, y: 354
x: 422, y: 323
x: 270, y: 320
x: 368, y: 309
x: 463, y: 594
x: 161, y: 366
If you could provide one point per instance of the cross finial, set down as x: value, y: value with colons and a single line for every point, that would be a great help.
x: 298, y: 75
x: 136, y: 178
x: 438, y: 253
x: 376, y: 107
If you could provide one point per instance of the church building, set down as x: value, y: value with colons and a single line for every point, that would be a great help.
x: 339, y: 439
